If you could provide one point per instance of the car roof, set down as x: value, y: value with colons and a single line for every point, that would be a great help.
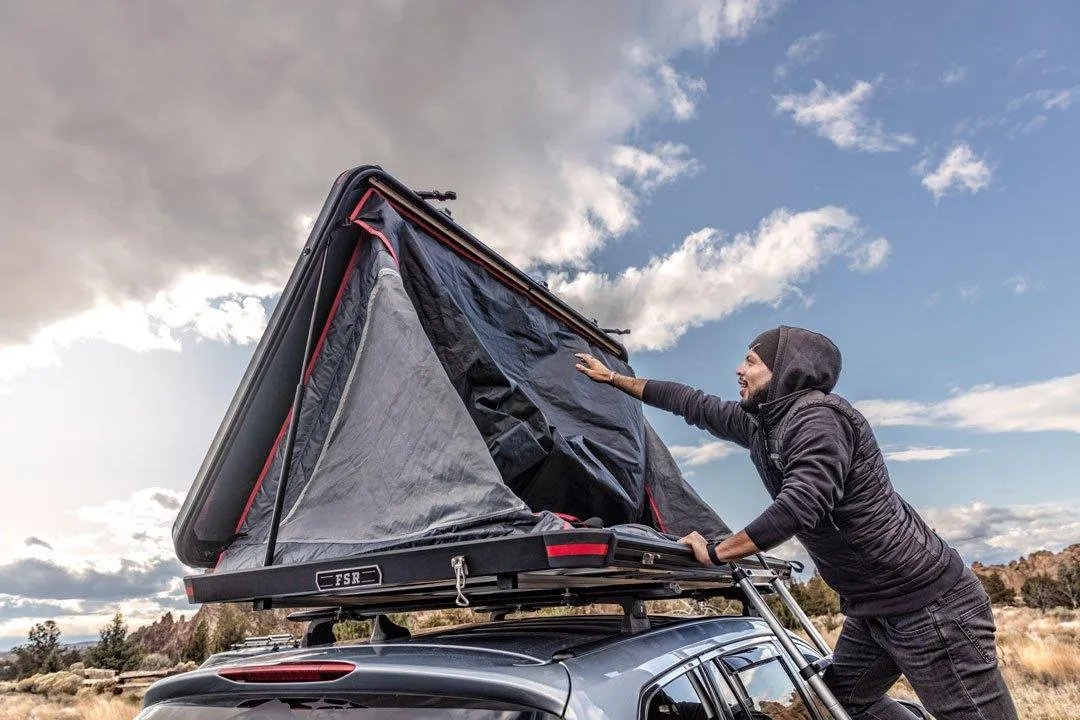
x: 527, y: 662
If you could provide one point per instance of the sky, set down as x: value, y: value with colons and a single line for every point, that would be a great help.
x: 900, y: 177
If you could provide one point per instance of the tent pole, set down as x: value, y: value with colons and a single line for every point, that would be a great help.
x: 294, y: 419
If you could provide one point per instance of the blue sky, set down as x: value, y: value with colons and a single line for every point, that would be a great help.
x: 906, y: 330
x: 900, y: 177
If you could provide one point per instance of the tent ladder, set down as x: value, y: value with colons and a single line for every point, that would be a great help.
x: 810, y: 671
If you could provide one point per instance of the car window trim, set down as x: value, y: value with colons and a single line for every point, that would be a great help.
x: 691, y: 668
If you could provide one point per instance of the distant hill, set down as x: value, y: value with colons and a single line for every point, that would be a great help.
x: 168, y: 635
x: 1042, y: 562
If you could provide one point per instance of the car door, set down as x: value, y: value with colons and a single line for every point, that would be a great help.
x: 756, y: 682
x: 682, y: 694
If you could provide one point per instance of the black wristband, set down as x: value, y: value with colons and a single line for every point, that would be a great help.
x: 711, y: 549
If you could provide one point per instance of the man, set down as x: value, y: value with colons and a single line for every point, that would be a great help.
x: 912, y: 605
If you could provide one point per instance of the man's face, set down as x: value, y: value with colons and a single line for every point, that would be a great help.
x: 754, y: 376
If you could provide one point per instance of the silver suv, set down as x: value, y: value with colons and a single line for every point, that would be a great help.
x: 530, y: 669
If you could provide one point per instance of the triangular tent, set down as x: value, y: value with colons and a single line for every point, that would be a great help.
x: 439, y: 404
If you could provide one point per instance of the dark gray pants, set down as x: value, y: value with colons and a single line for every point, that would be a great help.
x: 946, y: 650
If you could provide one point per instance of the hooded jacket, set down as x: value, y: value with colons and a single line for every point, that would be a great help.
x: 821, y: 464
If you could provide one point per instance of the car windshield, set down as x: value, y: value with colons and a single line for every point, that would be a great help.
x: 383, y: 708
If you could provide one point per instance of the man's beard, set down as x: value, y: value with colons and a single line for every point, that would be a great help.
x: 752, y: 403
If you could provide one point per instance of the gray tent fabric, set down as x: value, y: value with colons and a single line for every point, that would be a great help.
x: 401, y: 459
x: 674, y: 507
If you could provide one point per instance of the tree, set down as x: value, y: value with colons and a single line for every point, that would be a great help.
x: 818, y: 599
x: 999, y: 592
x: 196, y: 646
x: 114, y: 651
x: 230, y: 629
x: 1043, y: 592
x: 1069, y: 578
x: 42, y: 653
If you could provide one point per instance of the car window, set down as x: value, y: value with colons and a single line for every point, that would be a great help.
x: 677, y: 700
x: 763, y: 680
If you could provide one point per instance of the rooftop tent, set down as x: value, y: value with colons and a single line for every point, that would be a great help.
x: 439, y: 403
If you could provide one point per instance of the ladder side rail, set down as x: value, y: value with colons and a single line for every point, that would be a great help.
x: 807, y: 670
x: 796, y: 610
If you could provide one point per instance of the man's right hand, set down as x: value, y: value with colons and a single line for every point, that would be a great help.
x: 598, y: 372
x: 593, y: 368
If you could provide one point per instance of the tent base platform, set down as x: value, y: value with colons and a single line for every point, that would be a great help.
x: 568, y: 567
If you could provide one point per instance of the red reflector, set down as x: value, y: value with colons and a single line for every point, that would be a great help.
x: 288, y: 672
x: 577, y: 549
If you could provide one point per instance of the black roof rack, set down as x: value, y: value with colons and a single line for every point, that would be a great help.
x: 566, y: 567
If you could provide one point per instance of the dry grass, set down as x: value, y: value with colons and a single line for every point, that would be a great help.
x: 1039, y: 655
x: 22, y: 706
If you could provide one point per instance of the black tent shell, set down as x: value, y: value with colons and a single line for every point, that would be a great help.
x: 438, y: 403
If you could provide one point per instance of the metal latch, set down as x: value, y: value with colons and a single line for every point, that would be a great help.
x: 461, y: 571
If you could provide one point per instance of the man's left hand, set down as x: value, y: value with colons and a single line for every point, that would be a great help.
x: 698, y: 544
x: 732, y: 547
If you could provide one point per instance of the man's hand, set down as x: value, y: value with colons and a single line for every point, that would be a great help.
x: 698, y: 544
x: 597, y: 371
x: 593, y: 368
x: 733, y: 547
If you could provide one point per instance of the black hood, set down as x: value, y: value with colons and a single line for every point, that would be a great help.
x: 805, y: 361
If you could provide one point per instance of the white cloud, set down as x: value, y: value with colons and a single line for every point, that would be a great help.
x: 1046, y: 406
x: 870, y: 256
x: 1021, y: 284
x: 841, y: 118
x: 932, y: 299
x: 584, y: 189
x: 204, y: 306
x: 648, y: 170
x: 1027, y: 58
x: 683, y: 92
x: 213, y: 186
x: 802, y: 51
x: 703, y: 453
x: 997, y: 534
x: 1049, y: 99
x: 960, y: 169
x: 955, y: 74
x: 885, y: 413
x: 970, y: 293
x: 709, y: 276
x: 116, y: 556
x: 1046, y: 101
x: 920, y: 454
x: 1034, y: 124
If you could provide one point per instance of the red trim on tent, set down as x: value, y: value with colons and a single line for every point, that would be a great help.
x: 376, y: 233
x: 655, y: 510
x: 307, y: 374
x: 356, y: 214
x: 577, y: 549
